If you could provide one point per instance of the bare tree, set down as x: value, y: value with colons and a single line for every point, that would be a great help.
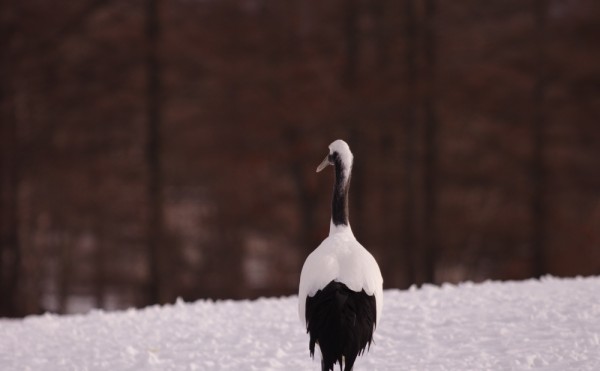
x: 153, y: 151
x: 65, y: 278
x: 538, y: 175
x: 408, y: 228
x: 98, y: 242
x: 431, y: 149
x: 10, y: 252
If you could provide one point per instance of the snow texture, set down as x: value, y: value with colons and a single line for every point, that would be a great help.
x: 342, y: 258
x: 552, y: 324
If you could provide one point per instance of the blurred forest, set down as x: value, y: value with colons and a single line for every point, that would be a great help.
x: 155, y: 149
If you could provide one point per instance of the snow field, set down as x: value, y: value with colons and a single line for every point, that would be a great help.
x: 552, y: 324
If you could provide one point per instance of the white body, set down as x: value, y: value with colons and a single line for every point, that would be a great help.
x: 342, y: 258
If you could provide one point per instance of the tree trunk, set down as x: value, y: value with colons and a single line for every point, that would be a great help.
x: 10, y: 256
x: 65, y: 273
x: 408, y: 228
x: 431, y: 127
x: 10, y: 251
x: 153, y: 151
x: 100, y: 275
x: 537, y: 164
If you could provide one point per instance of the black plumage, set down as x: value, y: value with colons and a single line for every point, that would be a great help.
x: 341, y: 187
x: 341, y: 322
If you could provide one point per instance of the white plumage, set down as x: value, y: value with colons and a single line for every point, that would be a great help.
x: 340, y: 258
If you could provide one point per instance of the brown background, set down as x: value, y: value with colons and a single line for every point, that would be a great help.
x: 152, y: 149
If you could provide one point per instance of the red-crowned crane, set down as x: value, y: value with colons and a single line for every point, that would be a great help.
x: 341, y: 288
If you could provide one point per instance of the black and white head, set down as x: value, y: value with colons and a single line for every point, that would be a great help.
x: 340, y: 157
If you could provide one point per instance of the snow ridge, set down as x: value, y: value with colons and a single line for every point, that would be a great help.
x: 548, y: 324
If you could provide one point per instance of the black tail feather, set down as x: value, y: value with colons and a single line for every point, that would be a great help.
x: 342, y: 322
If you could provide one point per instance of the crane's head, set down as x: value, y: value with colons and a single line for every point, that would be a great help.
x: 339, y: 156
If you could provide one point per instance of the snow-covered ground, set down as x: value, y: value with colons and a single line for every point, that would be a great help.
x: 552, y: 324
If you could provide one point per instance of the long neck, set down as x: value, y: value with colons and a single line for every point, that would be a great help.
x: 339, y: 204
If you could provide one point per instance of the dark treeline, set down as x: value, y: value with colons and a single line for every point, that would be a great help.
x: 152, y: 149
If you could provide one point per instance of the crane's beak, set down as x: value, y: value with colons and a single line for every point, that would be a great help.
x: 323, y: 164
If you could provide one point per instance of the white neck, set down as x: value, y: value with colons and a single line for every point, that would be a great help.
x: 340, y: 228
